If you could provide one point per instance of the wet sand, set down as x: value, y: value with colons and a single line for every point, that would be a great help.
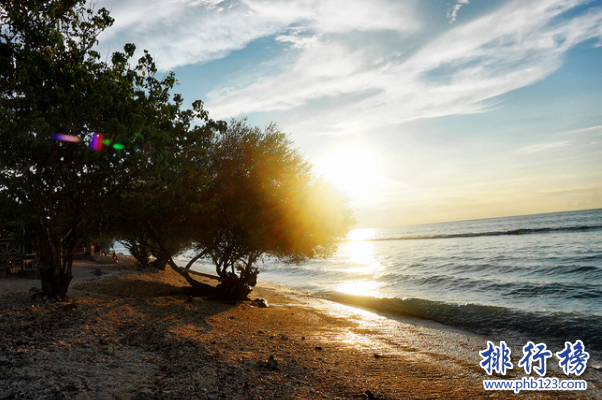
x: 127, y: 336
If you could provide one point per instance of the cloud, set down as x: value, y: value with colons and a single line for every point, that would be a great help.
x: 453, y: 14
x: 369, y: 53
x: 592, y: 130
x: 297, y: 40
x: 538, y: 148
x: 323, y: 70
x: 456, y: 73
x: 336, y: 16
x: 186, y: 32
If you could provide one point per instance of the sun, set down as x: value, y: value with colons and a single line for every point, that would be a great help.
x: 355, y: 169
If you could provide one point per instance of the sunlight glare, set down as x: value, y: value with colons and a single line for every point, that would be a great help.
x: 361, y: 234
x: 360, y: 258
x: 359, y: 287
x: 354, y: 169
x: 361, y: 262
x: 359, y: 253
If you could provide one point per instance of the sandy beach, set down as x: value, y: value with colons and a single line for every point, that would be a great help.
x: 126, y: 335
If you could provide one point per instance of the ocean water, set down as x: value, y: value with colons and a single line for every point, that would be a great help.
x: 532, y: 277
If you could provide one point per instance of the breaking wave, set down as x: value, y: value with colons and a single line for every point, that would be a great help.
x: 521, y: 231
x: 552, y: 327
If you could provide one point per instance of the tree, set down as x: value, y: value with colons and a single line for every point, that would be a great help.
x: 150, y: 220
x: 151, y: 216
x: 52, y: 81
x: 261, y: 199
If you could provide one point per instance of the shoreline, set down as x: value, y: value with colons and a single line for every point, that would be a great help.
x: 127, y: 337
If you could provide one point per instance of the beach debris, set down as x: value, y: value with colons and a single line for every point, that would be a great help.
x: 368, y: 395
x: 317, y: 348
x: 271, y: 363
x: 259, y: 302
x: 97, y: 272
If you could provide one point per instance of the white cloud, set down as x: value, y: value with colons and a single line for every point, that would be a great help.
x: 512, y: 47
x: 592, y: 130
x: 186, y: 32
x: 538, y: 148
x: 453, y: 14
x: 392, y: 81
x: 322, y: 70
x: 340, y: 15
x: 297, y: 40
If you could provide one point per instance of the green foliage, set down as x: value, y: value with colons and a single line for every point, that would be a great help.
x: 262, y: 199
x: 233, y: 197
x: 51, y: 81
x: 152, y: 215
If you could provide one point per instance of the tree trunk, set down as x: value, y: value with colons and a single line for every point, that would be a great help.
x: 55, y: 281
x: 160, y: 262
x: 230, y: 289
x: 197, y: 288
x: 56, y: 261
x: 233, y: 289
x: 139, y: 252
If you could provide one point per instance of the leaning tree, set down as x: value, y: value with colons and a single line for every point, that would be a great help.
x: 259, y: 198
x: 58, y: 99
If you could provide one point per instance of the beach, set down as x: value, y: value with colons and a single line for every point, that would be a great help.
x: 128, y: 335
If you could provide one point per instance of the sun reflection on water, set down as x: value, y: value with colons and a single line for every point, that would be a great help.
x: 363, y: 266
x: 360, y: 253
x: 362, y: 234
x: 359, y: 287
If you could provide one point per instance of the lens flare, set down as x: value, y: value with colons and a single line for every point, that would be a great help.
x: 96, y: 143
x: 65, y: 138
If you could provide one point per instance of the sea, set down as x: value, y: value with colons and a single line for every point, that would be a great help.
x: 524, y: 278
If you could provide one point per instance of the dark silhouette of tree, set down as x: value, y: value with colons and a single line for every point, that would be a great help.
x: 52, y: 81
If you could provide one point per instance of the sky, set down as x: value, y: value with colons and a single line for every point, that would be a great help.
x: 422, y: 111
